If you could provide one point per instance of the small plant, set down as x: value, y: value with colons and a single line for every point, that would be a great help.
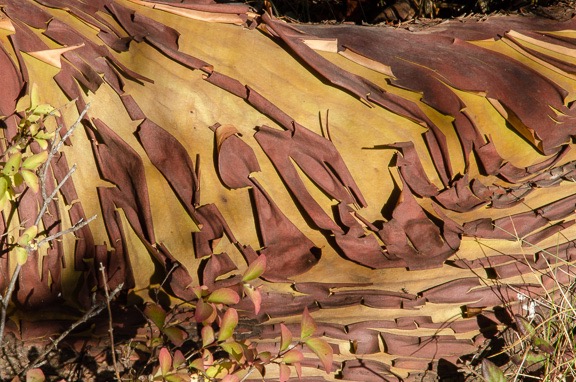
x: 539, y: 343
x: 24, y: 167
x: 219, y: 354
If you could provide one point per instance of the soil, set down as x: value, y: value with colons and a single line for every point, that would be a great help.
x: 403, y: 12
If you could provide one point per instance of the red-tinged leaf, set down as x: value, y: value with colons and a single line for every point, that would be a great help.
x: 175, y: 335
x: 298, y: 367
x: 308, y: 326
x: 165, y: 361
x: 285, y: 337
x: 255, y: 269
x: 35, y: 375
x: 255, y: 296
x: 293, y: 356
x: 229, y: 322
x: 284, y: 372
x: 265, y: 356
x: 156, y: 314
x: 178, y: 359
x: 261, y: 369
x: 198, y: 364
x: 208, y: 357
x: 203, y: 311
x: 200, y: 291
x: 231, y: 378
x: 224, y: 296
x: 323, y: 351
x: 207, y: 336
x: 491, y: 372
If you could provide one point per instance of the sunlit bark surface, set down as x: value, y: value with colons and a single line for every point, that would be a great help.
x: 399, y: 183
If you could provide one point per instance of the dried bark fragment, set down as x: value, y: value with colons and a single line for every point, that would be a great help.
x: 319, y: 159
x: 236, y: 160
x: 414, y: 238
x: 288, y: 251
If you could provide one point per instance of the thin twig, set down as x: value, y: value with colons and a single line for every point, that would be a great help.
x: 47, y: 201
x: 92, y: 312
x: 81, y: 223
x: 6, y: 301
x: 110, y: 327
x: 55, y: 147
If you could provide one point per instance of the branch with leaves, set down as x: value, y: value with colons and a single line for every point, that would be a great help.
x: 23, y: 170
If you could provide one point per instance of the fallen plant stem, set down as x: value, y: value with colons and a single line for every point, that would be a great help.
x: 110, y: 327
x: 92, y: 312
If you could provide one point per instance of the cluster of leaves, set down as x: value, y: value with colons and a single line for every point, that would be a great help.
x: 22, y: 159
x: 20, y: 164
x: 219, y: 353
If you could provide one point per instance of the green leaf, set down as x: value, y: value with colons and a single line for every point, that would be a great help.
x: 4, y: 184
x: 308, y: 326
x: 543, y: 345
x: 31, y: 180
x: 216, y: 371
x: 156, y: 314
x: 12, y: 166
x: 524, y: 326
x: 35, y: 375
x: 233, y: 348
x: 285, y: 337
x: 323, y: 351
x: 207, y: 336
x: 18, y: 179
x: 44, y: 135
x: 178, y: 377
x: 224, y: 296
x: 28, y: 235
x: 21, y: 255
x: 533, y: 358
x: 34, y: 96
x: 43, y: 143
x: 293, y: 356
x: 165, y: 361
x: 43, y: 109
x: 3, y: 201
x: 255, y: 269
x: 491, y: 372
x: 35, y: 161
x: 229, y: 322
